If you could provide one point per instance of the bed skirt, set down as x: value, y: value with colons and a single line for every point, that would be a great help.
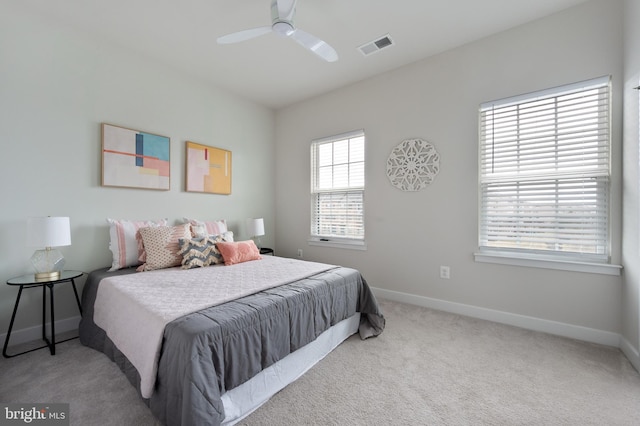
x: 243, y: 400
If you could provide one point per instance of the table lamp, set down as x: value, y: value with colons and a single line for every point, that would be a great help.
x: 48, y: 232
x: 255, y: 229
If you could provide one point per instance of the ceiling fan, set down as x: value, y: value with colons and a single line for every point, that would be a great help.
x: 282, y: 13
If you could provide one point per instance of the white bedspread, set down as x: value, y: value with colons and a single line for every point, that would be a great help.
x: 133, y: 309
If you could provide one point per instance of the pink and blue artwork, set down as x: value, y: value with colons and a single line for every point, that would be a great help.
x: 134, y: 159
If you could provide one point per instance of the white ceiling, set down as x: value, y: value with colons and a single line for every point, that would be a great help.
x: 277, y: 72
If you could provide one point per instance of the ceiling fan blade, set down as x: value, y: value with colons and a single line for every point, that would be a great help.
x: 244, y: 35
x: 286, y: 9
x: 314, y: 44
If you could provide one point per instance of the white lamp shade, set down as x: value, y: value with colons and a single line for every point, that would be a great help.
x: 255, y: 227
x: 48, y: 232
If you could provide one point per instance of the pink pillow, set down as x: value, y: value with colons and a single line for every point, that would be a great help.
x: 238, y: 252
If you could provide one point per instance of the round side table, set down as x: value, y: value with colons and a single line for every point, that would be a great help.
x: 30, y: 281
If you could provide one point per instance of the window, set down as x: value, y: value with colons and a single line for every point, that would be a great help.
x: 337, y: 190
x: 544, y: 174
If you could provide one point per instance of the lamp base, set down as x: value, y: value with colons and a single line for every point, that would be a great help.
x: 47, y: 276
x: 48, y: 263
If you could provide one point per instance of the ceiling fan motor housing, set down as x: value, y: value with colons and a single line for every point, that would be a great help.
x: 282, y: 28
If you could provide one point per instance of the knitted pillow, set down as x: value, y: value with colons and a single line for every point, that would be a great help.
x: 199, y: 252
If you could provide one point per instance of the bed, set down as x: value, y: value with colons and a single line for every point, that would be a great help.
x: 219, y: 363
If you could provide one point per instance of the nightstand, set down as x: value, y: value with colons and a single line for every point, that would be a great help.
x: 29, y: 281
x: 267, y: 250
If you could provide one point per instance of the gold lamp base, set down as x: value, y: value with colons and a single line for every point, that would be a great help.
x: 47, y: 263
x: 47, y: 276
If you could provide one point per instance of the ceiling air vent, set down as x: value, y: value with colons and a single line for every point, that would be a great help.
x: 376, y: 45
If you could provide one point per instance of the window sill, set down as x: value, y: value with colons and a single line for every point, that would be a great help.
x: 338, y: 243
x: 562, y: 265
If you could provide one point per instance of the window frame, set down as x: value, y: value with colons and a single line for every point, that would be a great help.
x: 327, y: 240
x: 594, y: 263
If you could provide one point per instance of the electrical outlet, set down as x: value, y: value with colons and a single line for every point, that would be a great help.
x: 445, y: 272
x: 300, y: 253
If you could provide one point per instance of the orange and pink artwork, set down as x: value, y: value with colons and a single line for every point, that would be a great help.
x: 208, y: 169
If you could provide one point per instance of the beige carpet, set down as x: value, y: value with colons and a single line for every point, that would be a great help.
x: 427, y: 368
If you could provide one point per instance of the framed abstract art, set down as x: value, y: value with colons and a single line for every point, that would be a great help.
x: 135, y: 159
x: 208, y: 169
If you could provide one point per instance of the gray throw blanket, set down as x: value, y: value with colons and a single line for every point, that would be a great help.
x: 206, y: 353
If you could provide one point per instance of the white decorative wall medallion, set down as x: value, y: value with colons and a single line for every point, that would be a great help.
x: 413, y: 164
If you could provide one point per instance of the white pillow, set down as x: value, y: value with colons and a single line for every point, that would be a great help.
x: 226, y: 236
x: 123, y: 244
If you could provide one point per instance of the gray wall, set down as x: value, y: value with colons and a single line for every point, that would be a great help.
x: 56, y: 87
x: 630, y: 289
x: 410, y: 235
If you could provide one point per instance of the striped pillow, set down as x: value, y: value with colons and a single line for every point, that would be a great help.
x: 201, y: 229
x: 123, y: 242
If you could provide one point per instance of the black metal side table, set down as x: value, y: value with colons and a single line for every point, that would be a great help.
x: 29, y: 281
x: 267, y: 250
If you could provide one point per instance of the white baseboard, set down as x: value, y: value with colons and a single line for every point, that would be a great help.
x: 530, y: 323
x: 630, y: 352
x: 35, y: 333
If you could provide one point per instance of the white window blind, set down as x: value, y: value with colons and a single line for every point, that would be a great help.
x: 337, y: 187
x: 544, y: 173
